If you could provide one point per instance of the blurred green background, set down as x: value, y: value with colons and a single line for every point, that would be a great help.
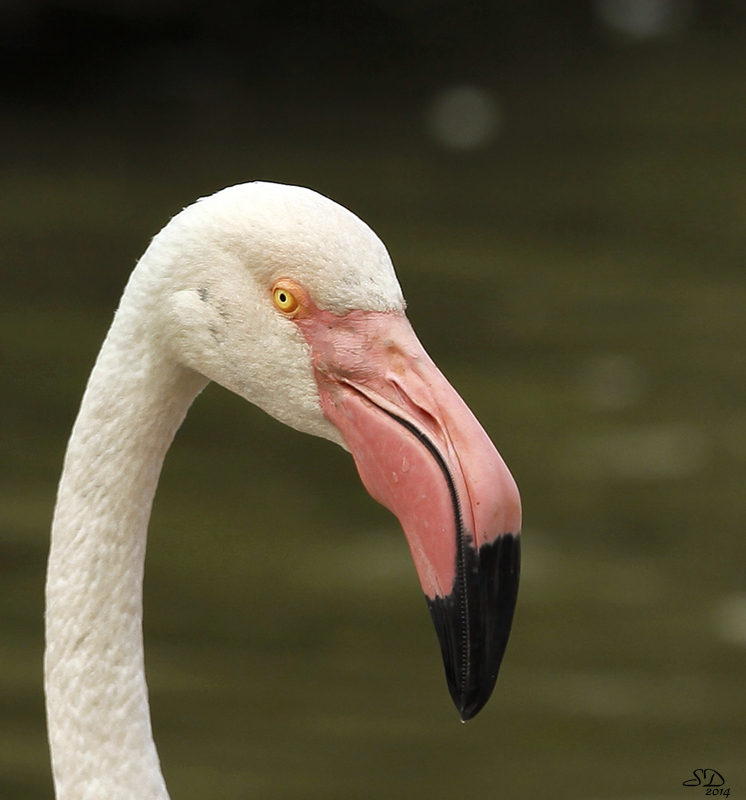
x: 562, y: 186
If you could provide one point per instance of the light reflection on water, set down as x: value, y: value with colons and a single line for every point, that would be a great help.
x: 730, y: 618
x: 643, y: 452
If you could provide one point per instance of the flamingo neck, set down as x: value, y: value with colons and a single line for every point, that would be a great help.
x: 97, y: 698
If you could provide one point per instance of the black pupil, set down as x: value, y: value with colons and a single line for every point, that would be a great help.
x: 283, y: 297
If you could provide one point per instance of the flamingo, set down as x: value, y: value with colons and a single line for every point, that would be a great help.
x: 291, y: 301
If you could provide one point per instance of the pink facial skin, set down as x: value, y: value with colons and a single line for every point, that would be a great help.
x: 379, y: 387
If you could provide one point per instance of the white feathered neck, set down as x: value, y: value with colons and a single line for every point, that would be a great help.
x: 197, y: 307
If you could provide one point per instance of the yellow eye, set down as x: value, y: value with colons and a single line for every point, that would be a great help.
x: 285, y: 300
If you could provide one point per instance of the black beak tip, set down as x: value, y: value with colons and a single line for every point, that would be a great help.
x: 473, y: 623
x: 470, y: 706
x: 473, y: 709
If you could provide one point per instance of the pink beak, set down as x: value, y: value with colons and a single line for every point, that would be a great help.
x: 422, y: 454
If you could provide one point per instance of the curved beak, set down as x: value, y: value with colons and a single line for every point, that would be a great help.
x: 421, y: 453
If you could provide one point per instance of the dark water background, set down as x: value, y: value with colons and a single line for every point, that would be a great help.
x: 580, y: 277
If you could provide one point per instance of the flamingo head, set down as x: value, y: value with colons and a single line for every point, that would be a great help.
x: 291, y: 301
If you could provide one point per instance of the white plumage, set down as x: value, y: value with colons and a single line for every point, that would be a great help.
x: 197, y: 307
